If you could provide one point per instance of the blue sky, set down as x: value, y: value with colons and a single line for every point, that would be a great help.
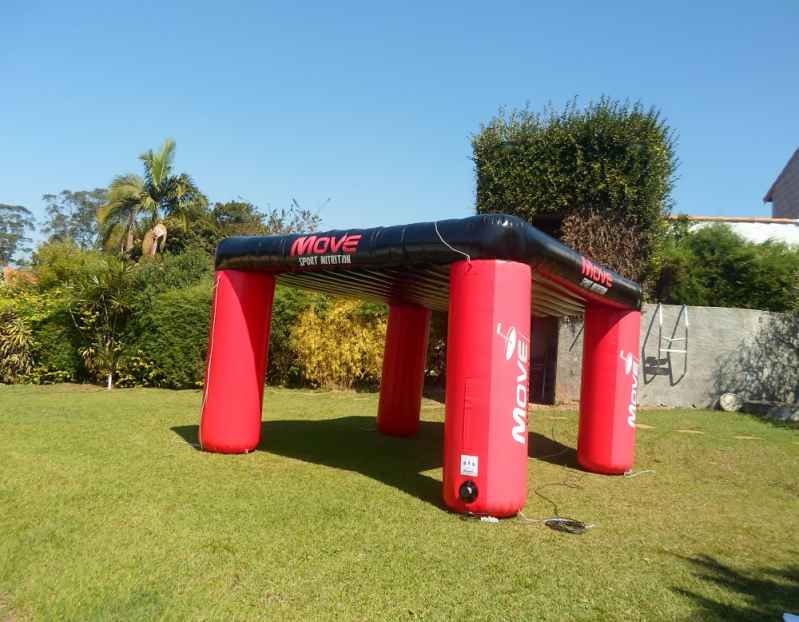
x: 372, y: 104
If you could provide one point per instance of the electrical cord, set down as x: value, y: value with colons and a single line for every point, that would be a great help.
x: 468, y: 258
x: 556, y: 523
x: 554, y: 440
x: 570, y: 482
x: 566, y: 525
x: 631, y: 474
x: 197, y: 445
x: 561, y: 523
x: 550, y: 455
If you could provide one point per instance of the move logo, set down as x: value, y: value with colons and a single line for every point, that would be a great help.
x: 595, y: 273
x: 318, y: 245
x: 520, y: 345
x: 631, y: 367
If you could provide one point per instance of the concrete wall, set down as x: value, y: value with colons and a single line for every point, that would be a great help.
x: 752, y: 353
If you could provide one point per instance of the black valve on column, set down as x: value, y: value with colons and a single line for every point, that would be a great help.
x: 468, y: 491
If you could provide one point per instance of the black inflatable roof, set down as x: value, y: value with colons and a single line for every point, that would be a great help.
x: 409, y: 264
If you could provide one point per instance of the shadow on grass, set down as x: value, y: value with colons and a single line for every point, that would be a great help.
x: 550, y: 450
x: 768, y: 592
x: 353, y: 444
x: 437, y: 394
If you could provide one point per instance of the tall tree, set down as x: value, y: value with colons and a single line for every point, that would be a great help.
x: 234, y: 218
x: 133, y: 200
x: 72, y: 216
x: 242, y: 218
x: 15, y: 223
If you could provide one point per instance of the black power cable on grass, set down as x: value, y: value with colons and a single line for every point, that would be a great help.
x: 554, y: 440
x: 560, y: 523
x: 557, y: 523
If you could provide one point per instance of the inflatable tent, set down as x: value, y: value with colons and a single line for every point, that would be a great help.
x: 492, y: 273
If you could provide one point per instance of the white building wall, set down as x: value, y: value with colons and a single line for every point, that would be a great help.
x: 761, y: 231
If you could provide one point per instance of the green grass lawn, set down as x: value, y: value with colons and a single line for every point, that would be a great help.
x: 105, y: 515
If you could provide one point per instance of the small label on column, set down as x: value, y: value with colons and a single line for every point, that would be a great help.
x: 469, y: 465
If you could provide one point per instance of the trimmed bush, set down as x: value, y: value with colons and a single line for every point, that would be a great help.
x: 57, y: 356
x: 611, y: 160
x: 167, y: 339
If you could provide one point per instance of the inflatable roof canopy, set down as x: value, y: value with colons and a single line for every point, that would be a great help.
x: 491, y: 273
x: 409, y: 264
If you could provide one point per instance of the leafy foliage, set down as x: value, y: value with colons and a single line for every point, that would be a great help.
x: 612, y: 160
x: 715, y: 267
x: 167, y: 338
x: 612, y: 236
x: 59, y: 263
x: 15, y: 223
x: 38, y: 340
x: 284, y: 360
x: 100, y: 303
x: 58, y: 342
x: 340, y: 342
x: 72, y: 216
x: 16, y: 347
x: 171, y: 272
x: 210, y: 226
x: 141, y: 318
x: 151, y: 327
x: 436, y: 368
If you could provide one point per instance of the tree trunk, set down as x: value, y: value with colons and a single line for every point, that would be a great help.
x: 129, y: 237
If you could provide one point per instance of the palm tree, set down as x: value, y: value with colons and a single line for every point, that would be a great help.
x: 132, y: 199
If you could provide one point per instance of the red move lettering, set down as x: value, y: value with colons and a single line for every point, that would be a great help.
x: 595, y: 273
x: 318, y: 245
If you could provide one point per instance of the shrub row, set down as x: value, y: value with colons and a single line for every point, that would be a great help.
x: 161, y: 337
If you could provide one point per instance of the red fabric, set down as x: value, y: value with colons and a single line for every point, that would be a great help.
x: 402, y: 380
x: 236, y: 366
x: 487, y: 385
x: 612, y: 376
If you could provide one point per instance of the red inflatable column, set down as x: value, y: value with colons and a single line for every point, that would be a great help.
x: 609, y: 393
x: 488, y: 354
x: 236, y: 368
x: 402, y: 380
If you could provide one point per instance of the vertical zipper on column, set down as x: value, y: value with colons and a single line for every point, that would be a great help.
x: 468, y: 408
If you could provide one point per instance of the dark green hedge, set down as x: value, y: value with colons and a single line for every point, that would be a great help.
x: 58, y: 342
x: 166, y: 339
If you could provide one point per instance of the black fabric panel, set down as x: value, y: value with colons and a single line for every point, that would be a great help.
x: 402, y: 251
